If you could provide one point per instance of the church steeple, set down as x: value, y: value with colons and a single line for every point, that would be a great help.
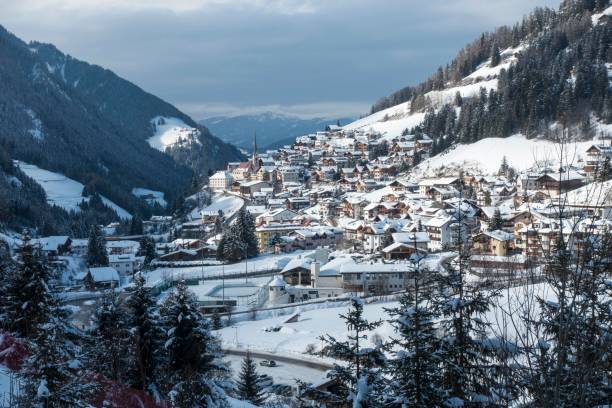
x: 254, y: 159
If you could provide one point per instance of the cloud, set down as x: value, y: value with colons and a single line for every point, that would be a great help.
x: 292, y: 54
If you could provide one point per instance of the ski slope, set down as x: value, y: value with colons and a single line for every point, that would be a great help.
x: 169, y: 131
x: 63, y: 191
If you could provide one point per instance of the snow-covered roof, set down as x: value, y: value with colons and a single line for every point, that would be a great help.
x: 101, y: 274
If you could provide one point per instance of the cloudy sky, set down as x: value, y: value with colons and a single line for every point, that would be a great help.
x: 307, y: 57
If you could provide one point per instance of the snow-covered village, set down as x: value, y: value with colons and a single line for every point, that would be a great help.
x: 449, y: 248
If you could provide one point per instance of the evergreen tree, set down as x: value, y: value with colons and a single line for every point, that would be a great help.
x: 110, y: 337
x: 50, y: 374
x: 96, y: 247
x: 360, y: 380
x: 25, y: 302
x: 147, y: 247
x: 503, y: 168
x: 136, y: 226
x: 143, y: 322
x: 387, y: 239
x: 495, y: 55
x: 249, y: 388
x: 569, y: 361
x: 192, y: 371
x: 234, y: 248
x: 497, y: 222
x: 219, y: 221
x: 414, y: 370
x: 604, y: 172
x: 466, y: 361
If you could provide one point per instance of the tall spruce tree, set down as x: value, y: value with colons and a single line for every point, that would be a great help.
x: 415, y: 379
x: 497, y: 222
x: 25, y: 302
x: 360, y: 380
x: 248, y: 386
x: 50, y: 375
x: 109, y: 352
x: 144, y: 325
x: 465, y: 358
x: 193, y: 374
x: 96, y: 247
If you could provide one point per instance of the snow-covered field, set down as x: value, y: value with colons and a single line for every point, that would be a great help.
x: 63, y: 191
x: 151, y: 196
x: 521, y: 153
x: 283, y: 373
x: 293, y: 338
x: 169, y: 131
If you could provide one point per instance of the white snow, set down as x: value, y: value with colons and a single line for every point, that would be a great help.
x: 63, y: 191
x: 283, y: 373
x: 294, y: 338
x: 486, y: 154
x: 439, y: 98
x: 596, y: 17
x: 229, y: 204
x: 391, y: 122
x: 36, y: 131
x: 169, y: 131
x: 151, y: 196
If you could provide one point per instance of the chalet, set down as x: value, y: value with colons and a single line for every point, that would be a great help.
x: 185, y: 255
x: 556, y: 183
x: 99, y: 278
x: 54, y: 246
x: 595, y: 157
x: 376, y: 278
x: 497, y: 242
x: 125, y: 264
x: 122, y: 247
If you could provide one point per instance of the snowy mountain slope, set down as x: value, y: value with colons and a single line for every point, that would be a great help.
x: 394, y: 120
x: 486, y: 155
x: 170, y: 131
x: 63, y: 191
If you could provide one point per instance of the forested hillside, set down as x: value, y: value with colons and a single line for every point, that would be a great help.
x: 85, y: 122
x: 553, y: 67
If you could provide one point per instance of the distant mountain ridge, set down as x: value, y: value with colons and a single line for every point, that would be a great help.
x: 84, y: 121
x: 273, y: 129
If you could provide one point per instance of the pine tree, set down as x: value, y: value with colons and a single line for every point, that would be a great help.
x: 110, y: 337
x: 144, y: 324
x: 503, y: 168
x: 249, y: 388
x: 136, y: 227
x: 50, y: 375
x: 219, y: 221
x: 147, y: 246
x: 414, y: 370
x: 466, y: 362
x: 96, y: 248
x: 360, y: 380
x: 604, y: 172
x: 497, y: 222
x: 234, y: 248
x: 192, y: 371
x: 495, y: 55
x: 24, y: 304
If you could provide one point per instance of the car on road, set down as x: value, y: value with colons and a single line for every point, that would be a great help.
x: 267, y: 363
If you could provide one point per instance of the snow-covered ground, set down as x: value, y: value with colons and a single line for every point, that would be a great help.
x: 262, y: 263
x: 151, y: 196
x: 283, y: 373
x: 169, y: 131
x: 229, y: 204
x: 63, y: 191
x: 486, y: 154
x: 293, y: 338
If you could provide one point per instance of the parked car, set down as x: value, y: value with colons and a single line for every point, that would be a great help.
x: 268, y: 363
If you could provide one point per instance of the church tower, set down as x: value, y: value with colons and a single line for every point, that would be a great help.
x: 255, y: 159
